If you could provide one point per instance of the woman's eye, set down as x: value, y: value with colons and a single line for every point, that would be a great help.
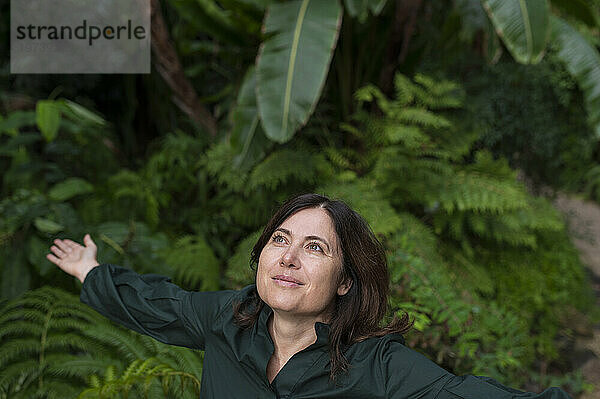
x: 277, y: 237
x: 315, y: 246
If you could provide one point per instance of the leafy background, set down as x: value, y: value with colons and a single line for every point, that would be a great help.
x: 423, y: 116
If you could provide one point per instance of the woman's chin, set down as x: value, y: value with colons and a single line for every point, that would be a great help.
x: 280, y: 302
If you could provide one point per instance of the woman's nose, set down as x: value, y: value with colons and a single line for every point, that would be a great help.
x: 290, y: 257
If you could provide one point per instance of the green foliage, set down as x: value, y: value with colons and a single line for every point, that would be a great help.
x: 282, y: 166
x: 582, y: 60
x: 363, y: 196
x: 592, y: 186
x: 529, y: 28
x: 293, y: 62
x: 360, y: 8
x: 471, y: 262
x: 135, y: 189
x: 35, y: 333
x: 142, y: 373
x: 485, y: 269
x: 194, y: 262
x: 524, y: 27
x: 52, y: 346
x: 69, y: 188
x: 48, y: 119
x: 580, y: 10
x: 574, y: 380
x: 534, y: 117
x: 238, y: 271
x: 247, y: 136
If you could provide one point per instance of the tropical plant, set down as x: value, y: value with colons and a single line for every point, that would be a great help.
x: 52, y: 346
x: 485, y: 269
x: 462, y: 232
x: 469, y: 248
x: 528, y: 28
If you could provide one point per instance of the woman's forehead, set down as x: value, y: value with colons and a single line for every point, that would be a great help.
x: 311, y: 221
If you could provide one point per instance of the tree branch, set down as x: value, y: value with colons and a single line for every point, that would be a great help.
x: 168, y: 65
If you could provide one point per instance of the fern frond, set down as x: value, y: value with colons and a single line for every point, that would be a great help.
x: 438, y: 94
x: 337, y: 157
x: 194, y: 262
x: 66, y: 342
x: 218, y: 160
x: 410, y: 136
x: 175, y: 162
x: 404, y: 90
x: 251, y: 211
x: 77, y: 366
x: 238, y: 270
x: 143, y: 373
x: 18, y: 347
x: 370, y: 93
x: 282, y: 166
x: 471, y: 276
x: 18, y: 375
x: 127, y: 344
x: 473, y: 191
x: 20, y: 327
x: 421, y: 117
x: 135, y: 187
x: 363, y: 196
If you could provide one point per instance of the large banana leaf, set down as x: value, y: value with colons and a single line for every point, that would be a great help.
x: 583, y: 63
x: 292, y: 64
x: 523, y: 26
x: 247, y: 137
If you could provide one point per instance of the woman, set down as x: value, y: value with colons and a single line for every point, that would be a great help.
x: 308, y: 328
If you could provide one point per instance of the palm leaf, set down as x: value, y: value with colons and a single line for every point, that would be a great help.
x: 248, y: 139
x: 523, y: 26
x: 583, y: 63
x: 293, y: 63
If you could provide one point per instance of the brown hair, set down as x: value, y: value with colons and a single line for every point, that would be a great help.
x: 358, y: 314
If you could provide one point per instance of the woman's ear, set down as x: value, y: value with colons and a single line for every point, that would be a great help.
x: 344, y: 287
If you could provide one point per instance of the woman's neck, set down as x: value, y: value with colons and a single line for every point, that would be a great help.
x: 291, y: 334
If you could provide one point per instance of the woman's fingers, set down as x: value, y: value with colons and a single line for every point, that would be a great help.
x: 87, y: 240
x: 71, y: 243
x: 64, y: 247
x: 53, y: 259
x: 60, y: 253
x: 74, y: 258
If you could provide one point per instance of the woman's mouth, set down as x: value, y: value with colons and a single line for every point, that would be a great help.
x: 287, y: 281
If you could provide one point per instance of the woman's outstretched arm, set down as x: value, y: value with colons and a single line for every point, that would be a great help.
x: 147, y: 303
x: 73, y: 258
x: 409, y: 374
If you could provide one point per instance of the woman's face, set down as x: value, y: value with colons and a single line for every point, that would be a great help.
x: 300, y: 267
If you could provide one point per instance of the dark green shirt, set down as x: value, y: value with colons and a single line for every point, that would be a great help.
x: 235, y: 359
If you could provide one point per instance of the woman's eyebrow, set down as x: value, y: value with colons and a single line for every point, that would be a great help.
x: 289, y: 233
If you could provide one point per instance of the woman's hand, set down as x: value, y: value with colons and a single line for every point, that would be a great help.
x: 74, y: 258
